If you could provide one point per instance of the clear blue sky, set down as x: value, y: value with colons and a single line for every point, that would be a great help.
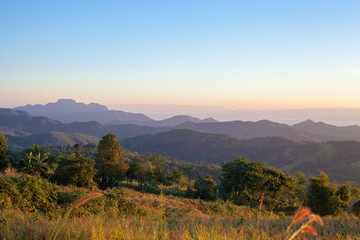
x: 235, y: 54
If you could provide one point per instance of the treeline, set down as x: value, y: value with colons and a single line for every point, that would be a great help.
x: 243, y: 182
x: 105, y: 165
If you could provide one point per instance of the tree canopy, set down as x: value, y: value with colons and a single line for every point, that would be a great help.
x: 110, y: 161
x: 3, y: 153
x: 244, y: 182
x: 325, y: 198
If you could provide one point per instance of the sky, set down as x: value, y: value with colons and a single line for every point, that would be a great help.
x: 231, y: 54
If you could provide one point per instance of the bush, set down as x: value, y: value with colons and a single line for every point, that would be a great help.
x: 356, y: 208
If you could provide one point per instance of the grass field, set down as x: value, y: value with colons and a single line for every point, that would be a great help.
x: 33, y: 208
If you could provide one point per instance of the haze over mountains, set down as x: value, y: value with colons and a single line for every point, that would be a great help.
x: 68, y: 111
x: 304, y: 146
x: 334, y: 116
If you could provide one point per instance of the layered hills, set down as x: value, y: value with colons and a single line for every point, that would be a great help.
x: 308, y: 146
x: 339, y: 159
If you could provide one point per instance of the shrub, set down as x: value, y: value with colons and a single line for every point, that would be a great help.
x: 356, y: 208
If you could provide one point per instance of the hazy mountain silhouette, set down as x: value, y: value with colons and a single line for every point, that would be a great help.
x: 347, y: 132
x: 68, y: 111
x: 172, y: 121
x: 61, y: 107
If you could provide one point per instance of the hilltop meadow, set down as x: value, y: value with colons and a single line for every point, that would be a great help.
x: 112, y: 193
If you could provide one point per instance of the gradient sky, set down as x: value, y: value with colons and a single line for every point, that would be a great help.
x: 234, y: 54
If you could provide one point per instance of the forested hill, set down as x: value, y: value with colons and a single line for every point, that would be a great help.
x: 340, y: 160
x: 52, y: 139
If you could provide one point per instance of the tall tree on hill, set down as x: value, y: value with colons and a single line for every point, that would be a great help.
x: 3, y: 150
x: 110, y: 161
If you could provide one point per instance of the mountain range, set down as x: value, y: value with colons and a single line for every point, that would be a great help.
x: 339, y: 159
x: 68, y: 111
x: 307, y: 146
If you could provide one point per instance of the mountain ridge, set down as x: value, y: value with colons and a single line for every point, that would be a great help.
x: 69, y: 111
x: 339, y: 159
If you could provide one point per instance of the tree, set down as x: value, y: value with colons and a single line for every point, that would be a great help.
x: 205, y: 188
x: 188, y: 170
x: 356, y: 209
x: 157, y: 167
x: 175, y: 175
x: 110, y: 161
x: 3, y: 153
x: 77, y: 150
x: 79, y: 172
x: 244, y: 182
x: 300, y: 189
x: 139, y: 169
x: 327, y: 199
x: 36, y: 161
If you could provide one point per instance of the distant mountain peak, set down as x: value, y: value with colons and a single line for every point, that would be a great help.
x: 62, y: 107
x: 305, y: 123
x: 210, y: 120
x: 66, y: 101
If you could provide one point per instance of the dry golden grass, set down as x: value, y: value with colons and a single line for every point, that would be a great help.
x: 127, y: 214
x: 102, y: 226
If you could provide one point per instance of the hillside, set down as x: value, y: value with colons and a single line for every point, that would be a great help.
x: 12, y: 132
x: 25, y: 122
x: 263, y: 128
x: 340, y: 160
x: 321, y: 128
x: 52, y: 139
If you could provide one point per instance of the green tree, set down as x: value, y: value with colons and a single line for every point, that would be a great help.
x: 188, y: 171
x: 356, y: 209
x: 244, y: 182
x: 175, y: 175
x: 110, y: 161
x: 36, y: 161
x: 300, y: 189
x: 138, y: 169
x: 325, y: 198
x: 3, y: 153
x: 79, y: 172
x: 157, y: 167
x: 205, y: 188
x: 78, y: 150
